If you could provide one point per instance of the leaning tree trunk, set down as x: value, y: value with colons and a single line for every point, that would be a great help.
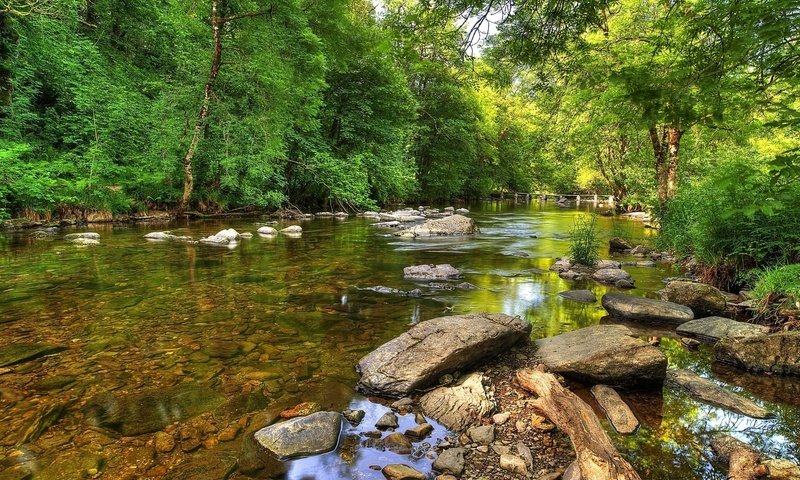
x: 665, y: 148
x: 216, y: 61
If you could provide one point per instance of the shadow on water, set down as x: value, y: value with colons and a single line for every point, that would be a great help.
x: 144, y: 328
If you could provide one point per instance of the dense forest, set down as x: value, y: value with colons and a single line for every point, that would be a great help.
x: 121, y: 106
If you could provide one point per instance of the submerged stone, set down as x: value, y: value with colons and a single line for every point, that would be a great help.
x: 709, y: 392
x: 714, y: 329
x: 22, y: 352
x: 582, y: 296
x: 152, y: 410
x: 432, y: 272
x: 451, y: 225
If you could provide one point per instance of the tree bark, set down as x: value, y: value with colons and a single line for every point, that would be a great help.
x: 597, y: 458
x: 6, y: 40
x: 665, y: 148
x: 217, y: 23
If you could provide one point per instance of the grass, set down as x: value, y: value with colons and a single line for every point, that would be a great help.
x: 585, y: 244
x: 777, y: 292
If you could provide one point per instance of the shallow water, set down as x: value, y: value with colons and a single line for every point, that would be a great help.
x: 276, y: 321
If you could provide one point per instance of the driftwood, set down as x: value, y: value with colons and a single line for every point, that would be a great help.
x: 597, y: 458
x: 741, y: 459
x: 618, y: 412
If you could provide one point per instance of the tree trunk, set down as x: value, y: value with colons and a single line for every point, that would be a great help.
x: 665, y: 149
x: 216, y: 61
x: 6, y: 40
x: 597, y: 458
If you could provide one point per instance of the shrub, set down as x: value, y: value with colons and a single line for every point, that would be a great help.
x: 585, y: 245
x: 778, y: 283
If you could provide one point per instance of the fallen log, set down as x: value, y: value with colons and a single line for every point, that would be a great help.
x: 597, y: 458
x: 741, y: 459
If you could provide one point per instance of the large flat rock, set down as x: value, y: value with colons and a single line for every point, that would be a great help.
x: 451, y: 225
x: 714, y: 329
x: 607, y: 354
x: 630, y: 307
x: 151, y: 410
x: 459, y: 406
x: 309, y: 435
x: 709, y: 392
x: 417, y: 358
x: 777, y: 353
x: 444, y: 271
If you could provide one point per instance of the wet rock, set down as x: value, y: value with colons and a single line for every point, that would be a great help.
x: 23, y: 352
x: 354, y: 416
x: 397, y: 443
x: 220, y: 464
x: 151, y: 410
x: 582, y: 296
x: 462, y: 211
x: 781, y: 469
x: 46, y: 417
x: 420, y: 431
x: 459, y: 406
x: 309, y: 435
x: 164, y: 442
x: 630, y: 307
x: 223, y: 237
x: 418, y: 358
x: 622, y: 418
x: 56, y: 382
x: 714, y: 329
x: 388, y: 420
x: 403, y: 402
x: 300, y: 410
x: 80, y: 464
x: 432, y: 272
x: 513, y: 464
x: 256, y: 462
x: 293, y: 230
x: 84, y: 236
x: 450, y: 461
x: 776, y: 353
x: 167, y: 237
x: 701, y: 298
x: 612, y: 276
x: 398, y: 471
x: 483, y: 435
x: 267, y: 231
x: 709, y: 392
x: 452, y: 225
x: 608, y: 354
x: 617, y: 244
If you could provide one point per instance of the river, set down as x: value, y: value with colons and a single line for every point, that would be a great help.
x: 276, y: 321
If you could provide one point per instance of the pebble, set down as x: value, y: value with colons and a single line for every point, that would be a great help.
x: 501, y: 418
x: 513, y: 464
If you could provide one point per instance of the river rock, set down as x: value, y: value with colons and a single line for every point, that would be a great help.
x: 23, y: 352
x: 152, y: 410
x: 607, y: 354
x: 776, y: 353
x: 462, y: 211
x: 714, y: 329
x: 84, y: 241
x: 167, y: 237
x: 513, y: 464
x: 397, y: 471
x: 582, y: 296
x: 460, y: 406
x: 612, y: 276
x: 84, y: 235
x: 267, y: 231
x: 709, y: 392
x: 483, y: 435
x: 432, y: 272
x: 618, y: 412
x: 354, y: 416
x: 450, y: 461
x: 701, y: 298
x: 419, y: 357
x: 398, y: 443
x: 630, y: 307
x: 223, y: 237
x: 618, y: 244
x: 309, y: 435
x: 293, y: 230
x: 451, y: 225
x: 387, y: 420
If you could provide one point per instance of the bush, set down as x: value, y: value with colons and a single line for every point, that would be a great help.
x: 778, y: 283
x: 585, y: 245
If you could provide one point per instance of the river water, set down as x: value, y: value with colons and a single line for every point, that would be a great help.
x: 140, y: 335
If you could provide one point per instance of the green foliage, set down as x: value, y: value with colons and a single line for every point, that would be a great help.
x: 778, y: 282
x: 584, y: 242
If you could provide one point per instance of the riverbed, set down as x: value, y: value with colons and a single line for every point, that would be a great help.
x: 276, y: 321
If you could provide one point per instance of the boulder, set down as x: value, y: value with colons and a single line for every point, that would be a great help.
x: 714, y: 329
x: 607, y: 354
x: 309, y: 435
x: 630, y: 307
x: 709, y: 392
x: 397, y: 471
x: 398, y: 443
x: 84, y: 241
x: 462, y: 405
x: 84, y: 235
x: 266, y: 230
x: 582, y: 296
x: 167, y: 237
x: 617, y: 244
x: 417, y: 358
x: 223, y: 237
x: 612, y: 276
x: 462, y: 211
x: 450, y: 461
x: 151, y: 410
x: 432, y: 272
x: 451, y: 225
x: 776, y: 353
x: 703, y: 299
x: 292, y: 230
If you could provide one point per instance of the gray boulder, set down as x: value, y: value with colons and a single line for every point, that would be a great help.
x: 267, y: 231
x: 703, y: 299
x: 450, y: 461
x: 451, y: 225
x: 309, y: 435
x: 612, y: 276
x: 630, y: 307
x: 417, y: 358
x: 460, y: 406
x: 292, y: 230
x: 777, y: 353
x: 714, y: 329
x: 582, y: 296
x: 607, y: 354
x: 167, y: 237
x: 432, y: 272
x: 223, y: 237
